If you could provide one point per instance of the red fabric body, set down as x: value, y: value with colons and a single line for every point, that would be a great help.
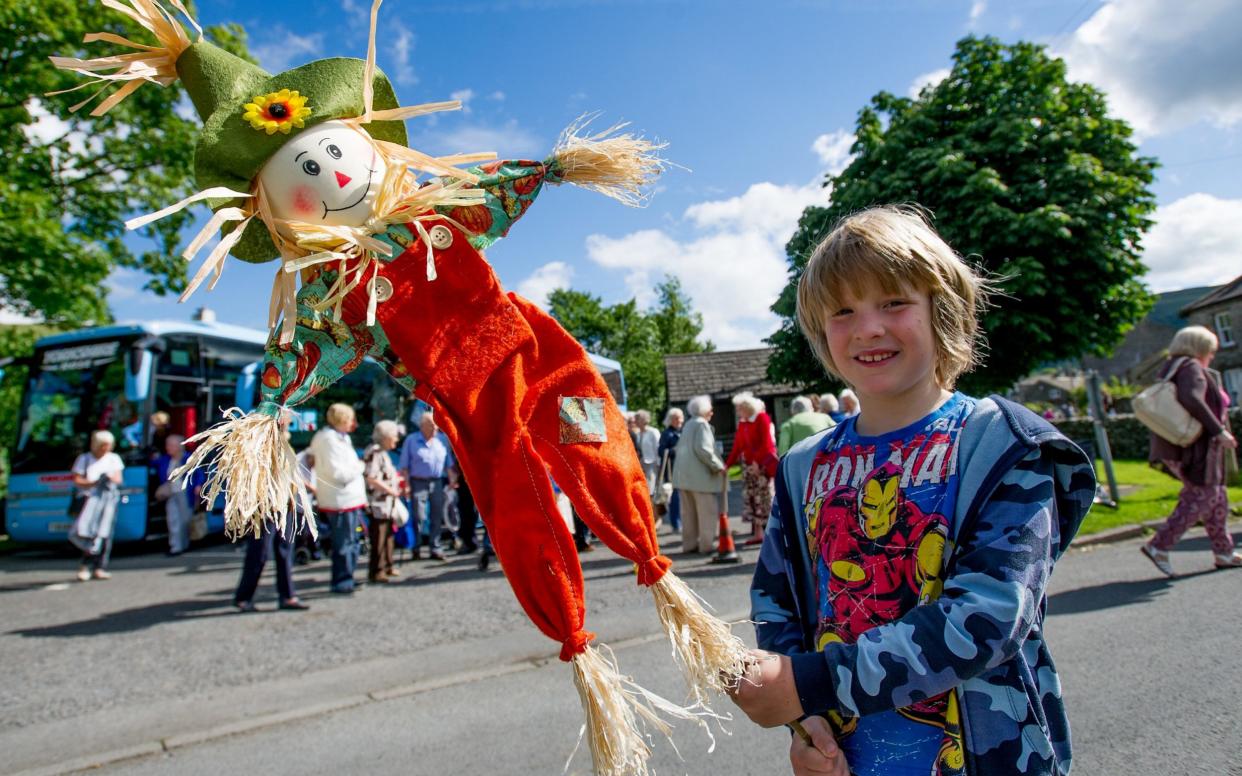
x: 494, y: 368
x: 753, y: 444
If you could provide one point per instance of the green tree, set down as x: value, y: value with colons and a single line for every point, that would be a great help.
x: 638, y: 339
x: 68, y: 180
x: 1029, y: 178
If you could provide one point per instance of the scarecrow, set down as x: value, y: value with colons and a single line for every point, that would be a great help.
x: 311, y: 167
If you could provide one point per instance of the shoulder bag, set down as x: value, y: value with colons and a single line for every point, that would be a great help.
x: 1157, y: 408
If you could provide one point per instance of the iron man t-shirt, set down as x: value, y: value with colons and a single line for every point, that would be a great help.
x: 878, y: 512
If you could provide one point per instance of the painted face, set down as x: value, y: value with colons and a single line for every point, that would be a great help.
x: 877, y: 506
x: 883, y: 344
x: 328, y: 174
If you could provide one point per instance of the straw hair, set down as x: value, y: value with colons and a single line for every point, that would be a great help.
x: 613, y: 706
x: 895, y: 249
x: 144, y: 64
x: 1193, y: 341
x: 710, y: 656
x: 616, y: 164
x: 250, y: 455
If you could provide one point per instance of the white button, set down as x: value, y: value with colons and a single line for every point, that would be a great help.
x: 441, y: 237
x: 383, y: 289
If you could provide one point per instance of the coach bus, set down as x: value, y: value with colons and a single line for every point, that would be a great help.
x: 118, y: 377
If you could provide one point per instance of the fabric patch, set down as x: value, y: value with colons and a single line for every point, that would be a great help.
x: 582, y: 420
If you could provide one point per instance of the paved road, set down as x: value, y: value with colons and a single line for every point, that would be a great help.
x: 394, y: 679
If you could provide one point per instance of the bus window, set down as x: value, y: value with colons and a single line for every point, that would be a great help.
x: 74, y: 390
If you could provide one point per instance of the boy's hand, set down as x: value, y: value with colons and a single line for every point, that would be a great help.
x: 767, y: 693
x: 824, y: 758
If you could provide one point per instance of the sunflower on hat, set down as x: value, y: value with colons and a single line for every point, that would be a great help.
x: 277, y: 111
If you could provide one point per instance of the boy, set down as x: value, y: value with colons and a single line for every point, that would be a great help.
x: 900, y: 590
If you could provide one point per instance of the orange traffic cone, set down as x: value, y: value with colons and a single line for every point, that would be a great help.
x: 725, y: 551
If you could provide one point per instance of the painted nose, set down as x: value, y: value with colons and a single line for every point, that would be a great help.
x: 342, y: 179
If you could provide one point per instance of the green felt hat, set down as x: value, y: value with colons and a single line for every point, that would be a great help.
x: 231, y: 151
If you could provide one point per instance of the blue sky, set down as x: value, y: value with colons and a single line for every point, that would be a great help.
x: 756, y: 101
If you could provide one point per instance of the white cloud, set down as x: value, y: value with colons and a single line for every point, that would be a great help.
x: 10, y: 317
x: 281, y: 49
x: 1195, y: 242
x: 509, y: 140
x: 497, y: 95
x: 977, y: 9
x: 545, y: 280
x: 925, y: 80
x: 402, y: 70
x: 732, y: 269
x: 833, y: 150
x: 464, y: 96
x: 1163, y: 65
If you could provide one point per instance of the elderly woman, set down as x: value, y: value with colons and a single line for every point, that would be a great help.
x: 849, y: 404
x: 754, y: 447
x: 384, y: 497
x: 1201, y: 464
x: 97, y: 476
x: 674, y: 419
x: 697, y: 474
x: 340, y: 491
x: 829, y: 405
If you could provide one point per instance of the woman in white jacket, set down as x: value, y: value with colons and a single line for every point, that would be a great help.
x: 340, y: 491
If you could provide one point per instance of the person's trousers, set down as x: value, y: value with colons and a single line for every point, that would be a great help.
x: 469, y: 515
x: 97, y: 556
x: 379, y: 531
x: 700, y: 511
x: 1209, y: 503
x: 344, y: 547
x: 427, y: 496
x: 258, y: 550
x: 178, y: 514
x: 674, y: 510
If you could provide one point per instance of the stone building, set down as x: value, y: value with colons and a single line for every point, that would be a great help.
x: 1221, y: 311
x: 721, y: 374
x: 1132, y: 359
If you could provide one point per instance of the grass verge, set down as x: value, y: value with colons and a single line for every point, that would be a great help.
x: 1146, y: 495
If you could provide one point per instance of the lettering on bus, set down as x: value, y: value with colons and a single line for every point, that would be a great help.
x: 79, y: 356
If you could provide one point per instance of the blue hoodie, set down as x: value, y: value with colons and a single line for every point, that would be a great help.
x: 1024, y: 490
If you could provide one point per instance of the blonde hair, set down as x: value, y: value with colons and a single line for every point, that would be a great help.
x: 340, y: 415
x: 895, y: 248
x: 1194, y: 341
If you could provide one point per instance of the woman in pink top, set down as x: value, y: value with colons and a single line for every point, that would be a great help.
x: 755, y: 447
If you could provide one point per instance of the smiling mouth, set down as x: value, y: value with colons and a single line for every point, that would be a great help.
x: 876, y: 358
x: 362, y: 196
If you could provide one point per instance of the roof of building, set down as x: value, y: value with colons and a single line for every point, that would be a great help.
x: 721, y: 373
x: 1228, y: 292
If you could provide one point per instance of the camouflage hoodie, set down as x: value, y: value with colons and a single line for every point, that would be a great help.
x: 1024, y: 490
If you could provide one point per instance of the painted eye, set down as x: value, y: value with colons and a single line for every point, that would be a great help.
x: 334, y: 152
x: 311, y: 167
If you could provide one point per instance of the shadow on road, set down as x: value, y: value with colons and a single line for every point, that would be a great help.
x: 129, y: 620
x: 1113, y: 594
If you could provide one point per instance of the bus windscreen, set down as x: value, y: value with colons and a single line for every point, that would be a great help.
x: 73, y: 390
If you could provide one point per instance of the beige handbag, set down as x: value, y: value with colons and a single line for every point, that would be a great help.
x: 1157, y: 408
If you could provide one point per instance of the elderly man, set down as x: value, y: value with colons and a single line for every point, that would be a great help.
x: 425, y: 458
x: 804, y: 422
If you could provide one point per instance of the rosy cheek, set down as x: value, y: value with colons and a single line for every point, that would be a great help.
x: 305, y: 201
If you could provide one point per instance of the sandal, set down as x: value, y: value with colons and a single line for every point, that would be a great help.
x: 1228, y: 561
x: 1159, y: 558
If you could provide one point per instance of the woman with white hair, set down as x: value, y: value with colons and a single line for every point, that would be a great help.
x: 384, y: 498
x: 97, y: 476
x: 340, y: 491
x: 849, y: 404
x: 697, y: 472
x: 1200, y: 465
x: 754, y: 447
x: 829, y: 405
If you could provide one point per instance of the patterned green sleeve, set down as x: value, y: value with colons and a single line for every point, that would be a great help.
x: 511, y: 187
x: 323, y: 350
